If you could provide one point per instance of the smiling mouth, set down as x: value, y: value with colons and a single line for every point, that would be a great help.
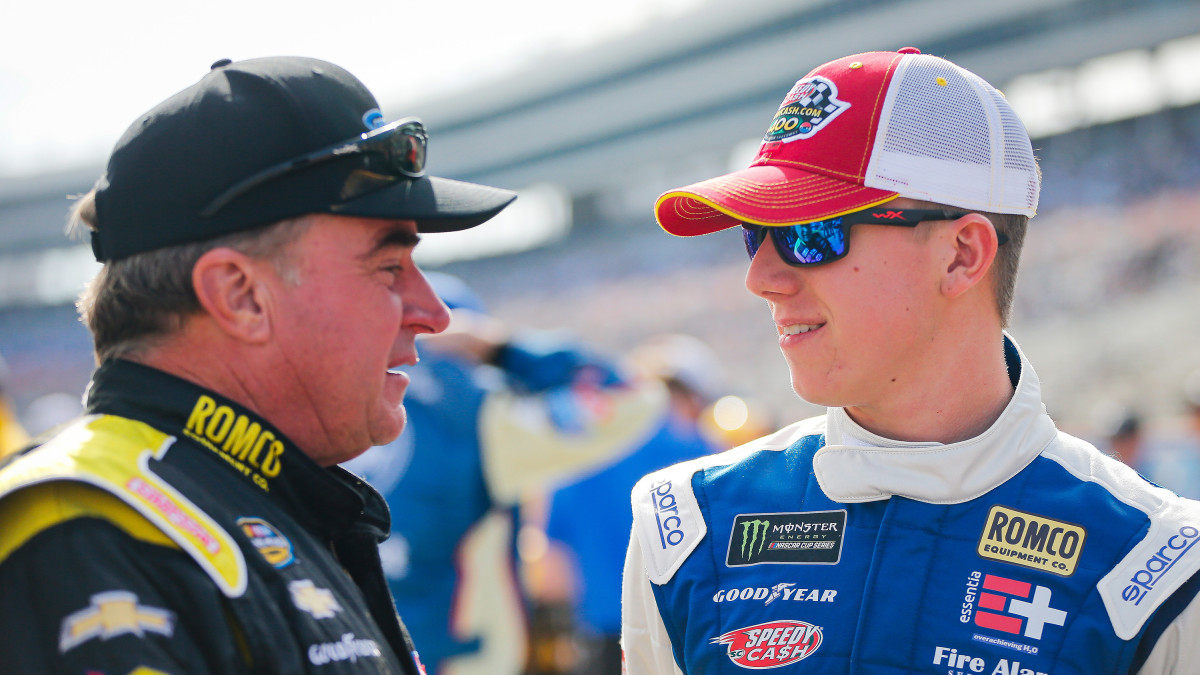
x: 797, y: 328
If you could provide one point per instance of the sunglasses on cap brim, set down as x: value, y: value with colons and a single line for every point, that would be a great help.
x: 824, y: 241
x: 393, y: 151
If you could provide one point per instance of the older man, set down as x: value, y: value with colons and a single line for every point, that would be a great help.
x: 257, y: 297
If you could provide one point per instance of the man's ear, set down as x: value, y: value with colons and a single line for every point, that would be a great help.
x: 974, y: 243
x: 228, y: 286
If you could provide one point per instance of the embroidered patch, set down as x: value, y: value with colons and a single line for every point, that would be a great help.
x: 786, y: 591
x: 110, y: 614
x: 808, y: 538
x: 772, y: 644
x: 349, y: 648
x: 667, y: 519
x: 316, y: 601
x: 1158, y: 564
x: 1010, y: 606
x: 808, y: 108
x: 1030, y: 540
x: 270, y: 542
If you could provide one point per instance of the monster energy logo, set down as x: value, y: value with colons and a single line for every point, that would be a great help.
x: 803, y: 538
x: 751, y: 530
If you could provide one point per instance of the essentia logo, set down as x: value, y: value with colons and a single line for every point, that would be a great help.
x: 772, y: 644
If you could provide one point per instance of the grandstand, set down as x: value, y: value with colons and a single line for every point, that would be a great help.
x: 1110, y: 281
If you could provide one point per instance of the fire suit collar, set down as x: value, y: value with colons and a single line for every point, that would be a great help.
x: 858, y: 466
x: 239, y: 441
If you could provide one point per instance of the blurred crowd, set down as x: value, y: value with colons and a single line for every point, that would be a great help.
x: 514, y: 475
x: 1165, y: 450
x: 523, y: 445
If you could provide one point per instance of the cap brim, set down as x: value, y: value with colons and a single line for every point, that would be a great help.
x: 761, y: 195
x: 436, y: 204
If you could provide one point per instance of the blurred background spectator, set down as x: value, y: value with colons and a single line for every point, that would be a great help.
x: 1169, y: 454
x: 12, y: 434
x: 589, y: 519
x: 494, y: 415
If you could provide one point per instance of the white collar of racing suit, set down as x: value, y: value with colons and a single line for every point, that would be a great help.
x: 858, y: 466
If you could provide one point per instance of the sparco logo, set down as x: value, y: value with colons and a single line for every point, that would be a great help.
x: 1156, y: 566
x: 1030, y: 540
x: 666, y: 512
x: 813, y: 537
x: 772, y: 644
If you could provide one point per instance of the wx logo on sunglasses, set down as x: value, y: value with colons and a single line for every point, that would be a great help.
x: 824, y: 241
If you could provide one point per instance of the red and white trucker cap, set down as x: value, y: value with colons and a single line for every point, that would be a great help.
x: 864, y: 129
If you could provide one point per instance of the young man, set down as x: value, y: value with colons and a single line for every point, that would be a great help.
x: 257, y: 296
x: 934, y: 520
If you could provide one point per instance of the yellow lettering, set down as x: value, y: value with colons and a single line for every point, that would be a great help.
x: 219, y: 425
x: 271, y: 464
x: 263, y: 438
x: 242, y: 437
x: 204, y: 407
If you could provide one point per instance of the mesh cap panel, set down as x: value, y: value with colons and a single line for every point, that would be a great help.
x: 948, y: 137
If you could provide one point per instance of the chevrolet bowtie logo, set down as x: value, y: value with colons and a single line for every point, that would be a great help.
x: 889, y: 215
x: 111, y: 614
x: 316, y: 601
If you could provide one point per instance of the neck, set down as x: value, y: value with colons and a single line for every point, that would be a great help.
x: 960, y: 394
x: 207, y: 361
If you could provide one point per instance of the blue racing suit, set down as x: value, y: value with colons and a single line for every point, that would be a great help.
x: 827, y: 549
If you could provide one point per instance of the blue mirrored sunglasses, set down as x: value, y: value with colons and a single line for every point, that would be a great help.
x: 824, y: 241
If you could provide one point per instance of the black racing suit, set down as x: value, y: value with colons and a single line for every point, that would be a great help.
x: 170, y: 530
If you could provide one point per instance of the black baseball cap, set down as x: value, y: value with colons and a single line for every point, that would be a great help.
x: 241, y: 119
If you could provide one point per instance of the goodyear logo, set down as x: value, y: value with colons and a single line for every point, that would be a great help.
x: 111, y: 614
x: 242, y: 442
x: 270, y: 542
x: 1030, y: 540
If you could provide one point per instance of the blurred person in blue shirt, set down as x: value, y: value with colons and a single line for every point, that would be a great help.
x: 1169, y: 457
x: 594, y: 547
x: 1173, y: 457
x: 491, y: 417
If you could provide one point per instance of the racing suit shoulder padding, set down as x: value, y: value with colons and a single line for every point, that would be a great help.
x: 666, y: 515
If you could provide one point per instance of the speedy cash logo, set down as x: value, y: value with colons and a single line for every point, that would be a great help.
x: 666, y: 514
x: 1030, y: 540
x: 1157, y: 565
x: 772, y: 644
x: 809, y: 107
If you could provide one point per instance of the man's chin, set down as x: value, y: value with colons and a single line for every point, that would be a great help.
x: 390, y: 430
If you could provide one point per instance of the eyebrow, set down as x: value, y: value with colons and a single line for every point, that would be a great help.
x: 395, y: 237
